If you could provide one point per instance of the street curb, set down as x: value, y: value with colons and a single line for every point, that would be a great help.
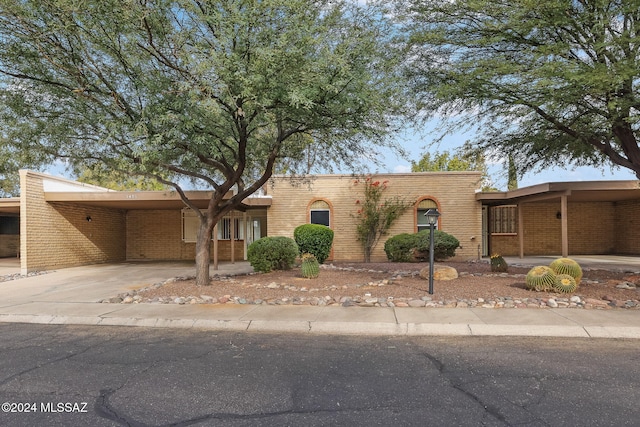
x: 339, y: 328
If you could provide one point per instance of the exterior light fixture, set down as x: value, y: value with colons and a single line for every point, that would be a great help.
x: 432, y: 218
x: 88, y: 218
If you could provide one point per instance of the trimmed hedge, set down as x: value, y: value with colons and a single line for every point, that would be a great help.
x: 405, y: 247
x: 399, y: 248
x: 272, y: 253
x: 444, y: 244
x: 314, y: 239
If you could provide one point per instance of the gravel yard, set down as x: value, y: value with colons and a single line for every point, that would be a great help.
x: 395, y: 284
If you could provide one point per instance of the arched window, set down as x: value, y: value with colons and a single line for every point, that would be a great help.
x: 320, y: 213
x: 421, y: 209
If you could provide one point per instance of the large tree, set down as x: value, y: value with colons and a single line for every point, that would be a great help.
x: 551, y: 82
x: 218, y: 93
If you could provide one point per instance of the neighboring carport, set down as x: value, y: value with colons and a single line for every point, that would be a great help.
x: 590, y: 217
x: 64, y: 223
x: 9, y: 227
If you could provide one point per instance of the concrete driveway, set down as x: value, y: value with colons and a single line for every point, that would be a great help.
x: 93, y: 283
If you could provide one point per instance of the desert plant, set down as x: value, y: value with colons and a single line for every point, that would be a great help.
x: 540, y: 278
x: 444, y: 244
x: 310, y: 266
x: 375, y: 215
x: 272, y: 253
x: 565, y: 283
x: 400, y: 247
x: 315, y: 239
x: 498, y: 264
x: 567, y: 266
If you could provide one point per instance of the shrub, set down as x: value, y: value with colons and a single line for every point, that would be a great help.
x: 272, y: 253
x: 310, y: 267
x: 444, y: 244
x: 315, y: 239
x: 400, y: 247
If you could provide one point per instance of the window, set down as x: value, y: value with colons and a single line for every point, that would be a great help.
x: 224, y: 229
x: 504, y: 219
x: 422, y: 223
x: 190, y: 223
x: 320, y: 213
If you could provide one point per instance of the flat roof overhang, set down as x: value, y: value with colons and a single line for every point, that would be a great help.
x: 10, y: 205
x: 583, y: 191
x: 147, y: 200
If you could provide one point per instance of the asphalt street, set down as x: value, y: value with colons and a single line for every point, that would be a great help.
x: 64, y: 375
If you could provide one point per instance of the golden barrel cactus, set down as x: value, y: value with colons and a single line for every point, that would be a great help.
x: 567, y: 266
x: 540, y: 278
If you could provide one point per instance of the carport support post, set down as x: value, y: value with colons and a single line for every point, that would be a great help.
x: 215, y: 247
x: 564, y: 225
x: 233, y: 238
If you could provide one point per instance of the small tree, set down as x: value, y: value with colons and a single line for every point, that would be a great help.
x: 375, y: 215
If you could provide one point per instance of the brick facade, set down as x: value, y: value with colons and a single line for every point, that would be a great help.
x: 58, y: 234
x: 157, y: 235
x: 55, y: 235
x: 594, y: 228
x: 453, y: 191
x: 627, y: 225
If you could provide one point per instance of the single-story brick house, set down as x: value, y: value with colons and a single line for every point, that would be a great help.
x: 57, y: 223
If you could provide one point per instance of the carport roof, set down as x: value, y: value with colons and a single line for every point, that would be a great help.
x: 146, y: 199
x: 10, y: 205
x: 582, y: 191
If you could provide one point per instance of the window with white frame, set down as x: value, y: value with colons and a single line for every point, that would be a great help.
x: 422, y: 223
x: 504, y: 219
x: 320, y: 213
x: 190, y: 224
x: 225, y: 230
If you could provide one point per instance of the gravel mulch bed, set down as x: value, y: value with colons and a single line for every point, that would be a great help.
x: 394, y: 285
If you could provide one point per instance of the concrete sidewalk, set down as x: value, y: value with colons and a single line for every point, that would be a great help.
x: 70, y: 296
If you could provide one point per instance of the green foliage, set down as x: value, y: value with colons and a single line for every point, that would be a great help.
x: 540, y: 278
x: 565, y: 283
x: 567, y: 266
x: 375, y: 215
x: 444, y: 161
x: 400, y: 248
x: 310, y: 267
x: 212, y: 95
x: 314, y: 239
x: 115, y: 180
x: 272, y: 253
x: 549, y: 82
x: 444, y: 244
x: 498, y: 264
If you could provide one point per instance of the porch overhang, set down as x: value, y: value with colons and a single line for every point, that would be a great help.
x: 10, y: 205
x: 583, y: 191
x: 148, y: 200
x: 565, y: 192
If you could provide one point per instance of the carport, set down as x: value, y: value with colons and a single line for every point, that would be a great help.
x: 578, y: 218
x: 64, y: 223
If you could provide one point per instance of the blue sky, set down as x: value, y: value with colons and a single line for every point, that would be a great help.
x: 417, y: 143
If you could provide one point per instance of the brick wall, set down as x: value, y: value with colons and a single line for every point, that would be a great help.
x: 454, y: 191
x: 627, y: 224
x: 157, y: 234
x: 55, y: 235
x: 588, y: 233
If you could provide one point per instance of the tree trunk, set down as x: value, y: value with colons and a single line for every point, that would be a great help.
x: 203, y: 252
